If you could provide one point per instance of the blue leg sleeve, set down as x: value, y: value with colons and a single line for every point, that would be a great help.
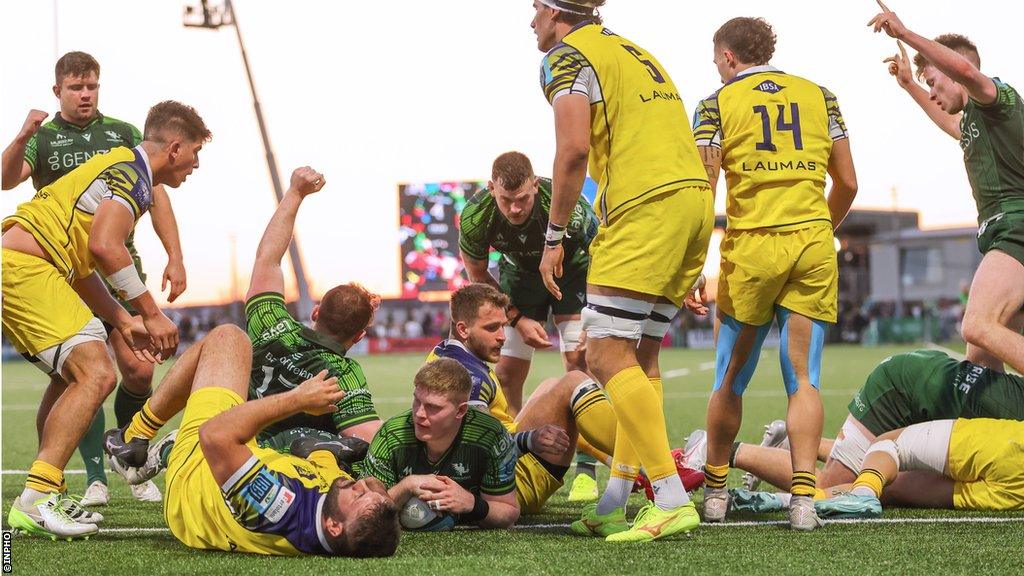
x: 728, y: 334
x: 817, y: 344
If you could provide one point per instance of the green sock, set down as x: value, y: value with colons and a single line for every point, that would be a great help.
x: 126, y: 404
x: 91, y: 449
x: 165, y: 454
x: 586, y: 464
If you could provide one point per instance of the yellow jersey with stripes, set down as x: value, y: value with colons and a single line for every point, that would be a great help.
x: 641, y: 144
x: 776, y: 133
x: 486, y: 394
x: 60, y: 215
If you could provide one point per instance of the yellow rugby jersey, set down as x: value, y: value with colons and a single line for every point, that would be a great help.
x: 776, y: 132
x: 60, y: 215
x: 640, y: 140
x: 486, y: 392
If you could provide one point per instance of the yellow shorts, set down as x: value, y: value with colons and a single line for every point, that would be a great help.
x: 656, y: 247
x: 40, y: 308
x: 795, y: 269
x: 534, y: 484
x: 194, y: 506
x: 986, y: 459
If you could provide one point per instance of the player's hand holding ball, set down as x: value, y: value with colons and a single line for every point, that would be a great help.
x: 306, y: 181
x: 318, y: 395
x: 443, y: 494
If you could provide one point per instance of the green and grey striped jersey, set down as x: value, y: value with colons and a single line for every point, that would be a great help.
x: 285, y: 354
x: 482, y: 458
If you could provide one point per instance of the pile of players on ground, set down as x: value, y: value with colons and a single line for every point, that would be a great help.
x: 280, y: 449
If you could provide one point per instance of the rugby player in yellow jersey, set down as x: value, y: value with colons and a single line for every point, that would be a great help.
x: 52, y: 247
x: 776, y: 136
x: 616, y: 107
x: 226, y: 493
x: 967, y: 464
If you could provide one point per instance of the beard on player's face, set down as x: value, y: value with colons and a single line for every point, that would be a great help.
x: 484, y: 345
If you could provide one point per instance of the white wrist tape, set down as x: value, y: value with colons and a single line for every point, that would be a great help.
x: 126, y: 283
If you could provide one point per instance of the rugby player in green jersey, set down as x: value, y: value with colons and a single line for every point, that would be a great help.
x: 903, y: 390
x: 511, y: 217
x: 47, y: 151
x: 987, y: 116
x: 460, y: 461
x: 286, y: 352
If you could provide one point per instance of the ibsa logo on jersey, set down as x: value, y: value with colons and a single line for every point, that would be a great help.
x: 769, y: 87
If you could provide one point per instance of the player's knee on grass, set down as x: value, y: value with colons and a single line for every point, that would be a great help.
x: 729, y: 335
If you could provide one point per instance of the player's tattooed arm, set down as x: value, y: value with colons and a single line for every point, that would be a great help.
x: 166, y: 227
x: 899, y: 68
x: 959, y: 69
x: 711, y: 156
x: 266, y: 271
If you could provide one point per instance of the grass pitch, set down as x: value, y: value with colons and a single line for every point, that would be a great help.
x: 134, y: 540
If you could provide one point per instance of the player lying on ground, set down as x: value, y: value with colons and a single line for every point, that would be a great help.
x: 987, y: 116
x: 460, y: 461
x: 778, y: 259
x: 285, y: 352
x: 902, y: 390
x: 964, y: 464
x: 45, y: 151
x: 562, y: 409
x: 52, y: 248
x: 511, y: 217
x: 225, y: 493
x: 656, y: 216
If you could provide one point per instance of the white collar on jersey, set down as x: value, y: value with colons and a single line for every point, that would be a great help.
x: 756, y: 69
x: 145, y: 160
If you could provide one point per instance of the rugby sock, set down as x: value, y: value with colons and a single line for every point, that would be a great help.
x: 715, y: 476
x: 615, y: 496
x: 803, y: 484
x: 126, y: 404
x: 165, y: 454
x: 638, y: 409
x: 594, y: 416
x: 43, y: 478
x: 586, y: 464
x: 624, y: 470
x: 868, y: 483
x: 144, y: 424
x: 584, y: 447
x: 91, y: 449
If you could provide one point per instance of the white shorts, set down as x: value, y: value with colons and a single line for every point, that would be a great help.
x: 925, y: 446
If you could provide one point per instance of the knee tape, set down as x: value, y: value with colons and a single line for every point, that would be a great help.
x: 728, y: 334
x: 850, y: 449
x: 657, y: 324
x: 615, y: 317
x: 817, y: 344
x: 886, y: 446
x: 569, y: 333
x: 515, y: 346
x: 925, y: 446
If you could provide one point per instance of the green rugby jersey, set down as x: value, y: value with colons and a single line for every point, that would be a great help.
x: 926, y: 385
x: 482, y: 226
x: 286, y: 353
x: 482, y: 458
x: 993, y: 143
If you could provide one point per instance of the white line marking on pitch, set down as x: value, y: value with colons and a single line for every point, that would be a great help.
x: 741, y: 524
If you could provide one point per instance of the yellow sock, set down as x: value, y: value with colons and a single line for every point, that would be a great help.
x: 587, y: 448
x: 715, y: 476
x: 640, y: 415
x: 803, y: 484
x: 44, y: 477
x: 625, y: 462
x: 594, y: 417
x: 820, y: 494
x: 145, y: 424
x: 872, y: 480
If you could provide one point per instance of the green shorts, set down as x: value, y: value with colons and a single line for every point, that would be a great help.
x: 909, y: 388
x: 528, y: 294
x: 1005, y: 233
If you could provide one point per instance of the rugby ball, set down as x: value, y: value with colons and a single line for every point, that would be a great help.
x: 417, y: 515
